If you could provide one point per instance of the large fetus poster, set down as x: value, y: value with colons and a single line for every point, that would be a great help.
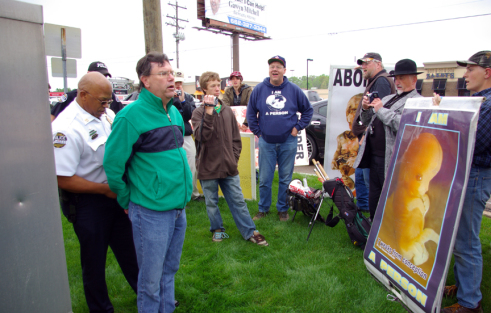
x: 409, y: 247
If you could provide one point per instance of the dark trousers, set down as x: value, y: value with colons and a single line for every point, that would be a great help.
x: 101, y: 222
x: 377, y: 178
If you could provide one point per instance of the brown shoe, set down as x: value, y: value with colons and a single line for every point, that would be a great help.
x: 457, y: 308
x: 260, y: 215
x: 284, y: 216
x: 257, y: 238
x: 450, y: 291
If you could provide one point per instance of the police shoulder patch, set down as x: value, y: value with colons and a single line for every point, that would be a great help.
x: 59, y: 140
x: 63, y: 98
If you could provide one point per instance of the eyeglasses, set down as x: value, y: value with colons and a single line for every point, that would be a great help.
x: 103, y: 102
x: 368, y: 60
x: 278, y: 67
x: 165, y: 73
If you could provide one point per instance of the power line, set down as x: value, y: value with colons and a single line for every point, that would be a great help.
x: 407, y: 24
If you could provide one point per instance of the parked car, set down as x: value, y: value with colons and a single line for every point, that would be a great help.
x: 130, y: 98
x: 312, y: 95
x: 316, y: 131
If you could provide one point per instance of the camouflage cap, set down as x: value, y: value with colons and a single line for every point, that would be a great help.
x: 482, y: 58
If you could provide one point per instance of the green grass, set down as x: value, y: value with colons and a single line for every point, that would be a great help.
x: 325, y: 274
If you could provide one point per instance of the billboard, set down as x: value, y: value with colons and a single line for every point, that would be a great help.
x: 242, y: 13
x: 410, y: 244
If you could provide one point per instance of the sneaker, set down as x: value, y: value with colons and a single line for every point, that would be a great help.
x: 284, y: 216
x: 219, y: 236
x: 199, y: 198
x: 450, y: 291
x: 257, y: 238
x: 260, y: 215
x: 457, y: 308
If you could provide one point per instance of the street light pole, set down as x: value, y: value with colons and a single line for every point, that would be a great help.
x: 308, y: 72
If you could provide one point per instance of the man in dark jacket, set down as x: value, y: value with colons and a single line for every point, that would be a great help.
x: 468, y: 266
x: 237, y: 94
x: 377, y: 80
x: 67, y: 98
x: 219, y: 145
x: 184, y: 102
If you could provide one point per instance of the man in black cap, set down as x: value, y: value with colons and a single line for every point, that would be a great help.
x: 377, y: 80
x: 67, y: 98
x: 467, y: 251
x: 382, y: 118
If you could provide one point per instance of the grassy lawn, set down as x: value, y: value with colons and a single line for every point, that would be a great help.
x: 325, y: 274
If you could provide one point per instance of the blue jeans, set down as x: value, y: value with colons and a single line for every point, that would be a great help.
x: 362, y: 178
x: 158, y: 238
x: 270, y: 154
x: 235, y: 199
x: 467, y: 250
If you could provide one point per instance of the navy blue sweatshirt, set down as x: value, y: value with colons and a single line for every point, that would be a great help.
x: 277, y: 107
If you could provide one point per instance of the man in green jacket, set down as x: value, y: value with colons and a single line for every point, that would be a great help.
x: 146, y: 167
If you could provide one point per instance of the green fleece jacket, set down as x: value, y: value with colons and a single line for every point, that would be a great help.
x: 144, y: 159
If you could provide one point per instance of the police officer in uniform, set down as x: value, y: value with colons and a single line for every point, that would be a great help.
x: 67, y: 98
x: 79, y: 136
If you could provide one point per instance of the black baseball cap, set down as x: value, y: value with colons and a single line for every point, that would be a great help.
x: 100, y: 67
x: 369, y: 55
x: 482, y: 58
x: 277, y: 58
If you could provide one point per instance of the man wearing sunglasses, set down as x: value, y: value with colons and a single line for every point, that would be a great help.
x: 115, y: 106
x: 377, y: 80
x: 79, y: 139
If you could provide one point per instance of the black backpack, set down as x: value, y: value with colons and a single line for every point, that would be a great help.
x: 357, y: 225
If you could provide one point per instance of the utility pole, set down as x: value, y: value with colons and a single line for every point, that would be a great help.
x: 152, y: 26
x: 177, y: 35
x: 235, y: 51
x: 308, y: 72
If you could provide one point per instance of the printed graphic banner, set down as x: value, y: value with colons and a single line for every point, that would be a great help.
x: 346, y: 87
x: 302, y: 157
x: 243, y: 13
x: 409, y: 246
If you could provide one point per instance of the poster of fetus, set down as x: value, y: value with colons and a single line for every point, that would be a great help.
x: 409, y: 246
x: 346, y: 87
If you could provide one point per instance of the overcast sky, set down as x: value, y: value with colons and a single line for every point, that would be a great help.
x: 112, y: 32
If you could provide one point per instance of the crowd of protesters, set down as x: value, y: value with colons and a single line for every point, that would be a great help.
x: 126, y: 174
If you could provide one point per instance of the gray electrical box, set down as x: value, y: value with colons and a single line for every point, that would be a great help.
x: 33, y: 271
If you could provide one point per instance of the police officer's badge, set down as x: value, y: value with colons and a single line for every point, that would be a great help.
x: 59, y: 140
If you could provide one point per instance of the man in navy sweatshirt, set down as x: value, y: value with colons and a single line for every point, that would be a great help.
x: 272, y: 116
